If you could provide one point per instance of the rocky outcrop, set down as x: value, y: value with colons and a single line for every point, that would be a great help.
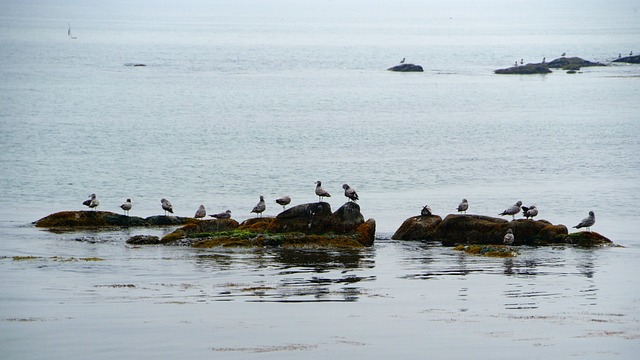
x: 418, y: 228
x: 97, y: 219
x: 465, y: 229
x: 406, y: 68
x: 572, y: 63
x: 201, y: 227
x: 527, y: 69
x: 635, y: 59
x: 310, y: 224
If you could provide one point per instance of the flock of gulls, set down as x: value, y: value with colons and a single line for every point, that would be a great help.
x: 528, y: 212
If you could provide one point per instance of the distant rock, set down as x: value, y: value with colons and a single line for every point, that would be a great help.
x: 143, y: 240
x: 635, y: 59
x: 527, y: 69
x: 572, y: 63
x: 406, y: 68
x: 134, y: 64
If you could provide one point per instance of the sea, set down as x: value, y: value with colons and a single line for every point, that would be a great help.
x: 243, y: 98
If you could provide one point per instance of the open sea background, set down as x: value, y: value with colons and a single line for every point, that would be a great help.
x: 246, y: 98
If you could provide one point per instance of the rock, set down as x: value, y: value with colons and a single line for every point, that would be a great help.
x: 572, y: 63
x: 143, y: 240
x: 458, y: 229
x: 587, y: 239
x: 310, y: 224
x: 92, y: 219
x: 201, y: 228
x: 418, y: 228
x: 527, y: 69
x: 635, y: 59
x: 406, y: 68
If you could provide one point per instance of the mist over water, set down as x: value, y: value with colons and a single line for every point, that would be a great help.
x: 248, y: 98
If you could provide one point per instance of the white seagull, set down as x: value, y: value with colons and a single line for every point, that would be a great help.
x: 222, y: 215
x: 92, y: 202
x: 508, y: 237
x: 587, y: 222
x: 320, y: 191
x: 284, y: 201
x: 512, y: 210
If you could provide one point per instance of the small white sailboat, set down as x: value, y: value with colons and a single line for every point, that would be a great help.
x: 69, y: 33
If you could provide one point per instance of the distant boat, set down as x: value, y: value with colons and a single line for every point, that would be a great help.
x: 69, y: 33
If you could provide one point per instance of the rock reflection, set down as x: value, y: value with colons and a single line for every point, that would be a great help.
x: 289, y: 275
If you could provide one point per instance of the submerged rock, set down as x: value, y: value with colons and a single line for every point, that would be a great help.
x: 406, y: 68
x: 587, y: 239
x: 527, y: 69
x: 143, y: 240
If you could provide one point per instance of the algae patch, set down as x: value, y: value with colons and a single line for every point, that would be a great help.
x: 487, y: 250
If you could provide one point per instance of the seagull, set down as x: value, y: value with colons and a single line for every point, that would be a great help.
x: 126, y: 206
x: 544, y: 59
x: 402, y: 61
x: 508, y: 237
x: 92, y: 202
x: 200, y: 213
x: 529, y: 212
x: 512, y: 210
x: 222, y: 215
x: 320, y: 191
x: 166, y: 206
x: 426, y: 211
x: 463, y: 206
x: 521, y: 61
x: 260, y: 207
x: 284, y: 201
x: 516, y: 64
x: 350, y: 193
x: 587, y: 222
x: 631, y: 53
x: 563, y: 54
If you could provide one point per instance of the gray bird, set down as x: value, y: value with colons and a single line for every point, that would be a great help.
x: 284, y: 201
x: 508, y: 237
x: 222, y: 215
x: 426, y: 211
x: 512, y: 210
x: 587, y: 222
x: 166, y: 206
x: 260, y: 207
x: 200, y: 213
x: 529, y: 212
x: 126, y: 206
x: 463, y: 206
x: 92, y: 202
x: 320, y: 191
x: 350, y: 193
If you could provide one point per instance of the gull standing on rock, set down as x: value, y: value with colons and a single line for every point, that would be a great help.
x: 529, y: 212
x: 260, y: 207
x: 508, y: 237
x: 426, y: 211
x: 126, y: 206
x: 200, y: 213
x: 512, y: 210
x: 320, y: 191
x: 92, y: 202
x: 166, y: 206
x: 587, y: 222
x: 463, y: 206
x: 284, y: 201
x: 222, y: 215
x: 350, y: 193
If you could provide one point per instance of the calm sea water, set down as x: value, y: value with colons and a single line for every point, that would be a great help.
x: 247, y: 98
